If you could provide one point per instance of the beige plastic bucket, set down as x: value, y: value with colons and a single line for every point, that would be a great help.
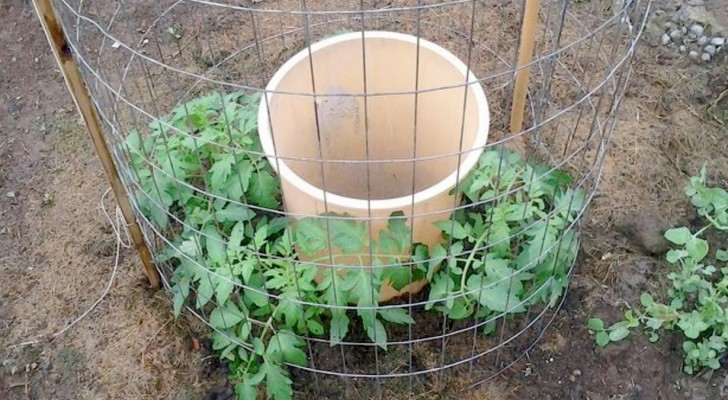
x: 295, y: 140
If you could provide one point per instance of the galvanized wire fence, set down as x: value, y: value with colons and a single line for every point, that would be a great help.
x: 333, y: 185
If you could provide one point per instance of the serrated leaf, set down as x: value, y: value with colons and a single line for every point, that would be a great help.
x: 396, y: 315
x: 246, y: 391
x: 440, y: 287
x: 278, y: 385
x: 374, y: 329
x: 311, y: 236
x: 225, y: 316
x: 224, y: 285
x: 400, y: 230
x: 220, y: 172
x: 595, y: 324
x: 239, y: 182
x: 339, y: 326
x: 348, y: 234
x: 205, y: 291
x: 234, y: 213
x: 438, y: 255
x: 496, y: 297
x: 263, y: 190
x: 452, y: 228
x: 398, y: 277
x: 287, y: 346
x: 178, y: 301
x: 214, y: 245
x: 678, y: 236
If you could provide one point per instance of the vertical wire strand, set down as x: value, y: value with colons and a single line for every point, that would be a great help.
x: 367, y: 155
x: 413, y: 190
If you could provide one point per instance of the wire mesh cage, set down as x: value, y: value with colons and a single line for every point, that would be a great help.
x: 346, y: 191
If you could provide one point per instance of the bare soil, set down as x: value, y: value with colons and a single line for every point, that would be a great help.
x: 57, y: 252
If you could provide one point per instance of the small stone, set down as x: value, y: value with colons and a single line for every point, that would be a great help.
x: 684, y: 30
x: 693, y: 54
x: 696, y: 29
x: 675, y: 34
x: 717, y: 41
x: 646, y: 230
x: 710, y: 49
x: 10, y: 194
x: 692, y: 36
x: 670, y: 25
x: 14, y: 59
x: 36, y: 60
x: 577, y: 372
x: 115, y: 45
x: 705, y: 57
x: 683, y: 48
x: 703, y: 40
x: 665, y: 39
x: 572, y: 378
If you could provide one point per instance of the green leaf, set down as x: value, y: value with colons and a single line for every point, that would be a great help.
x: 178, y: 301
x: 237, y: 184
x: 375, y: 331
x: 721, y: 255
x: 315, y: 327
x: 205, y: 291
x: 396, y: 315
x: 225, y: 316
x: 234, y: 213
x: 618, y: 333
x: 220, y: 171
x: 692, y: 324
x: 399, y: 229
x: 602, y: 338
x: 697, y: 248
x: 215, y: 245
x: 646, y: 300
x: 398, y: 277
x: 496, y: 297
x: 440, y: 288
x: 224, y: 285
x: 453, y: 229
x: 678, y: 236
x: 278, y: 385
x: 439, y: 254
x: 311, y: 236
x: 673, y: 256
x: 339, y: 326
x: 348, y: 234
x: 263, y: 190
x: 246, y: 391
x: 595, y: 324
x: 286, y: 345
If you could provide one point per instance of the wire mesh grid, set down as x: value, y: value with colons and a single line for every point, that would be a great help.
x: 315, y: 181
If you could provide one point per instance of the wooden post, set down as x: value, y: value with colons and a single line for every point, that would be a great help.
x: 525, y: 56
x: 72, y: 75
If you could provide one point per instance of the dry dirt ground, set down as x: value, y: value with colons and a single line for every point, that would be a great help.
x: 57, y: 249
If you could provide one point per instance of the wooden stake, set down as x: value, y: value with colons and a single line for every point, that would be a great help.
x: 525, y: 56
x: 72, y: 74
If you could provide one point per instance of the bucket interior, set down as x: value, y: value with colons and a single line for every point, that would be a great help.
x: 383, y: 128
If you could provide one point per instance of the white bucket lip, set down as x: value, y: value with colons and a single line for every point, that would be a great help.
x: 395, y: 203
